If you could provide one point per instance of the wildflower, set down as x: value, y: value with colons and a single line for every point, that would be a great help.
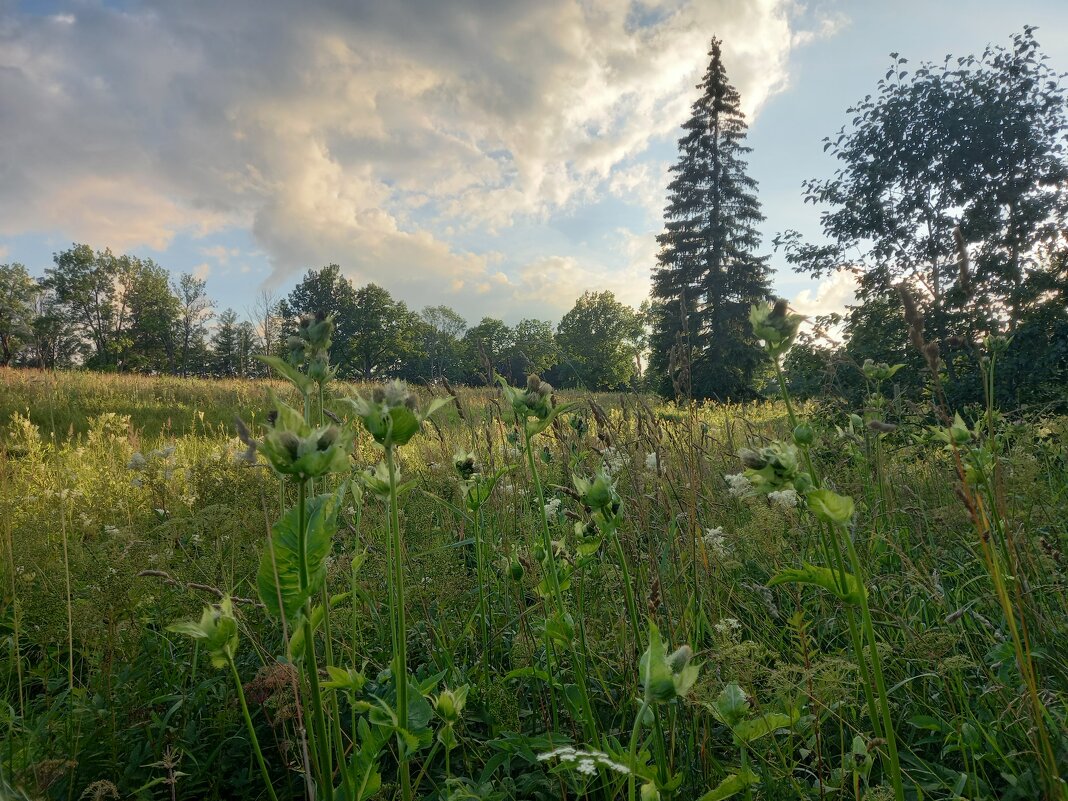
x: 740, y: 487
x: 552, y: 508
x: 786, y: 498
x: 449, y: 704
x: 137, y: 461
x: 776, y: 325
x: 598, y: 493
x: 392, y: 415
x: 714, y: 541
x: 534, y: 401
x: 465, y: 464
x: 585, y: 761
x: 666, y: 677
x: 774, y: 467
x: 612, y: 460
x: 728, y: 626
x: 217, y: 628
x: 294, y: 448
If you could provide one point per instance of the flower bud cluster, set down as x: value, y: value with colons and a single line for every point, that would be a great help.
x: 392, y: 415
x: 294, y: 448
x: 310, y: 346
x: 776, y: 325
x: 533, y: 401
x: 775, y: 468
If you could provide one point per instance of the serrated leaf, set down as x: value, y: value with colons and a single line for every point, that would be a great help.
x: 821, y: 577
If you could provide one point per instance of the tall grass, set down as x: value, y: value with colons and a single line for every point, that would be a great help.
x: 526, y: 594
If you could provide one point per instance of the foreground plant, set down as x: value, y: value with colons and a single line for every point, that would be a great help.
x: 777, y: 469
x: 392, y: 417
x: 217, y: 632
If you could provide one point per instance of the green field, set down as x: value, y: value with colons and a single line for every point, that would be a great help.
x: 923, y: 647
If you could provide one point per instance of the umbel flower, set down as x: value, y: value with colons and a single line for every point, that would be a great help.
x: 294, y: 448
x: 392, y: 414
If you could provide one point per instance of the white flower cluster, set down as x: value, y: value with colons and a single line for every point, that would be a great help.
x: 740, y: 486
x: 585, y: 762
x: 728, y: 626
x: 715, y: 541
x: 552, y: 508
x: 786, y: 498
x: 613, y: 461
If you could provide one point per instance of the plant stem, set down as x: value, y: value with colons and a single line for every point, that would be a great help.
x: 633, y: 748
x: 400, y: 655
x: 311, y: 667
x: 251, y: 730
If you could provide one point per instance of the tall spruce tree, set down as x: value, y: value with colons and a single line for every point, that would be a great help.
x: 708, y: 273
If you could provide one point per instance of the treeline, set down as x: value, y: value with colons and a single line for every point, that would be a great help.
x: 123, y: 313
x: 951, y: 187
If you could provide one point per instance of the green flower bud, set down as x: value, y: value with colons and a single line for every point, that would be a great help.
x: 217, y: 629
x: 449, y: 704
x: 803, y: 434
x: 830, y: 507
x: 515, y: 569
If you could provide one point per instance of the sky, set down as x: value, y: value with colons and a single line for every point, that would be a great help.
x: 498, y: 156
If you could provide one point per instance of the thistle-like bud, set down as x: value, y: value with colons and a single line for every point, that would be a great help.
x: 775, y: 325
x: 465, y: 465
x: 449, y: 704
x: 217, y: 629
x: 803, y: 434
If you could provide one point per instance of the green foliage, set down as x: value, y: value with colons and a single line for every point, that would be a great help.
x: 599, y: 341
x: 952, y: 180
x: 282, y: 588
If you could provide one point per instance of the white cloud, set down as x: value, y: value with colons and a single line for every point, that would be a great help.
x: 368, y: 134
x: 832, y: 294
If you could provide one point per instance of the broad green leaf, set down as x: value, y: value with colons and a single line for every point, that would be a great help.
x: 731, y: 705
x: 279, y: 580
x: 822, y: 577
x: 732, y: 785
x: 287, y: 371
x: 753, y: 729
x: 405, y: 425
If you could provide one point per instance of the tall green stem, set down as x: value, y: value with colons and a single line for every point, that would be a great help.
x: 577, y: 658
x: 400, y: 656
x: 251, y: 730
x: 311, y: 666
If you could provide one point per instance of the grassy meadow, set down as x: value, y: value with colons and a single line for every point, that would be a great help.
x: 832, y: 603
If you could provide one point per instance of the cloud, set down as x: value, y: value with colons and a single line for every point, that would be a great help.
x: 3, y: 252
x: 830, y: 295
x: 375, y: 135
